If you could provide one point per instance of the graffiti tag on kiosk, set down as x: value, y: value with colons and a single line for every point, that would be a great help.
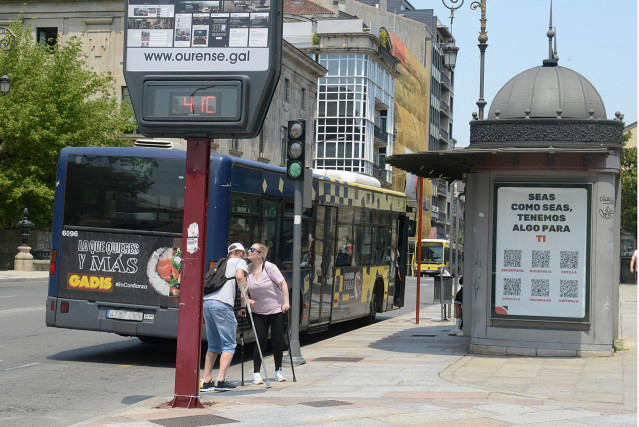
x: 89, y: 282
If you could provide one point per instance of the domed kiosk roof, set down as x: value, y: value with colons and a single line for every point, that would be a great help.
x: 543, y: 90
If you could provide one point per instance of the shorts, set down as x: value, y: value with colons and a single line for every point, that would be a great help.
x: 459, y: 296
x: 221, y: 326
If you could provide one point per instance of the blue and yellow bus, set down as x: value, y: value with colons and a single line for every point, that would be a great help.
x: 117, y: 238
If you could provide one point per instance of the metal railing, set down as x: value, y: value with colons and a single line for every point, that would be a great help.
x: 443, y: 134
x: 41, y: 254
x: 445, y: 79
x: 380, y: 134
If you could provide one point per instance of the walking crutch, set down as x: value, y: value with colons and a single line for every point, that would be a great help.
x: 290, y: 354
x: 242, y: 345
x: 257, y: 342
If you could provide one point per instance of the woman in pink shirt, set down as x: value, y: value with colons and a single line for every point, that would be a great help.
x: 269, y: 301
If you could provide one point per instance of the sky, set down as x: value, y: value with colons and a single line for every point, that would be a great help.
x: 596, y: 38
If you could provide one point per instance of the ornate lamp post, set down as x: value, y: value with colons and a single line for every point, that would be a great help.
x: 7, y: 42
x: 483, y: 39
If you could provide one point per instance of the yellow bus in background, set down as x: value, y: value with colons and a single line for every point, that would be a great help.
x: 435, y: 255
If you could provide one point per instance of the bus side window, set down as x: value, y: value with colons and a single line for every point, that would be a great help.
x: 362, y: 249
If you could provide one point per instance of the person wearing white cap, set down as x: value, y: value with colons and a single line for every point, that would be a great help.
x: 221, y: 324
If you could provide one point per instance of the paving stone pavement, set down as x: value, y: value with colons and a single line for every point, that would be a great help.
x: 397, y: 373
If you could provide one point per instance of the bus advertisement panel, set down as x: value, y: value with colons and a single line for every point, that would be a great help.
x: 128, y: 268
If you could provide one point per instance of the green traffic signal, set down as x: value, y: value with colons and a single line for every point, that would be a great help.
x: 294, y: 170
x: 295, y: 151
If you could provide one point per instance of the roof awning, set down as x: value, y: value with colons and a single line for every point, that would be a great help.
x: 453, y: 164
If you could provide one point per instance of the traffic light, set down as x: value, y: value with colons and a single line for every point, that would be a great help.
x: 295, y: 149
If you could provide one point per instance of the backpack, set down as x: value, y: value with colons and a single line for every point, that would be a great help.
x: 216, y: 277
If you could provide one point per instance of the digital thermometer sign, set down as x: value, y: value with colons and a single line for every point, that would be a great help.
x: 193, y: 101
x: 186, y: 105
x: 202, y: 68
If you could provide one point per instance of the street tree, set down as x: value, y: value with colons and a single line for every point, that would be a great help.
x: 55, y: 101
x: 629, y: 188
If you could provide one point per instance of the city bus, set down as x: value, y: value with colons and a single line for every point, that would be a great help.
x: 117, y: 239
x: 435, y: 255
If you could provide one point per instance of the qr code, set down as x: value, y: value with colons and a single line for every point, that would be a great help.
x: 569, y: 259
x: 569, y: 288
x: 512, y: 286
x: 512, y: 258
x: 540, y: 287
x: 540, y: 259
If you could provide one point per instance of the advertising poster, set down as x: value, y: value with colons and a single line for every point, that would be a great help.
x: 541, y: 256
x: 182, y: 30
x: 178, y: 35
x: 219, y: 29
x: 258, y: 34
x: 125, y: 268
x: 352, y: 284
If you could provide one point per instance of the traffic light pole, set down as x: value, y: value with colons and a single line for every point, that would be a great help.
x: 296, y: 290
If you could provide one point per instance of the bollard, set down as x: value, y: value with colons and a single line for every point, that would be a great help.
x: 24, y: 260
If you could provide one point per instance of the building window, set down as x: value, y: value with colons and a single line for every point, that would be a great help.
x: 283, y: 144
x: 235, y: 144
x: 287, y: 84
x: 47, y: 36
x: 262, y: 143
x: 303, y: 100
x: 126, y: 99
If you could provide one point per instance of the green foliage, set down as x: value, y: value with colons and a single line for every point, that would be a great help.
x: 316, y: 39
x: 629, y: 188
x: 55, y: 101
x: 384, y: 39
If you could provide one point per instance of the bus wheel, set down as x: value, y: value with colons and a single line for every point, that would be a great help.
x: 376, y: 302
x: 372, y: 310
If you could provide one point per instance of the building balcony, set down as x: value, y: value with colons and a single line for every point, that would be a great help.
x: 443, y: 135
x: 381, y: 137
x: 382, y: 176
x: 387, y: 56
x: 445, y: 81
x: 444, y: 109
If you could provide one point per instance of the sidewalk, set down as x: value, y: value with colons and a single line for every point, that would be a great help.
x: 398, y: 373
x: 22, y: 276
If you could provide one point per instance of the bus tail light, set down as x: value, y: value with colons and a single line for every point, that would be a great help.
x: 54, y: 254
x: 52, y: 305
x: 64, y: 307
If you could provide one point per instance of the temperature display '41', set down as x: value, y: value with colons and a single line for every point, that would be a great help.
x: 198, y: 105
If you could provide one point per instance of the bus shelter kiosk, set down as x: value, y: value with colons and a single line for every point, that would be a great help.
x: 199, y: 70
x: 541, y: 222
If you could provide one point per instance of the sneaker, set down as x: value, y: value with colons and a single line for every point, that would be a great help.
x: 257, y: 378
x: 279, y: 375
x: 224, y: 385
x: 454, y: 331
x: 207, y: 386
x: 460, y: 333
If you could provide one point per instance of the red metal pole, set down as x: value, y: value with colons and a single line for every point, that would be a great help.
x: 187, y: 363
x: 419, y: 246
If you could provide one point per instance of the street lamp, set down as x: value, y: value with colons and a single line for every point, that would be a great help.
x: 450, y: 55
x: 483, y: 38
x: 5, y: 83
x: 7, y: 42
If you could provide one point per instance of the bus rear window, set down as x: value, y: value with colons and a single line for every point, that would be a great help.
x: 125, y: 193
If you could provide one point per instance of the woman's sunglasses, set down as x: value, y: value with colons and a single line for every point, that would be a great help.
x: 254, y: 250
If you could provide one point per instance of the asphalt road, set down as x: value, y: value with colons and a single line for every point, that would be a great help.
x: 60, y: 377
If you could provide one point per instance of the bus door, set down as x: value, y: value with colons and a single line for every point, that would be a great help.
x: 402, y: 255
x: 323, y: 268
